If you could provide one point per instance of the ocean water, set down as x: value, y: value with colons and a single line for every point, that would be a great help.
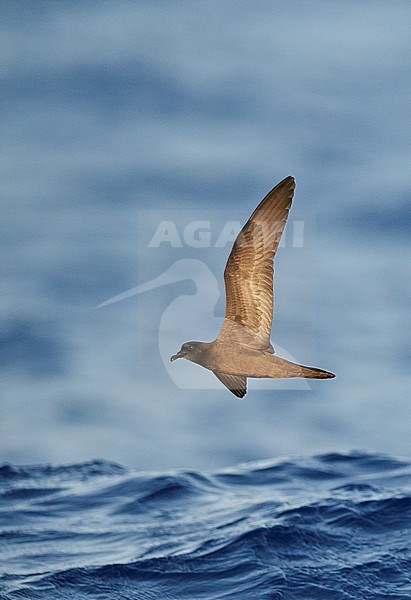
x: 332, y: 526
x: 119, y: 116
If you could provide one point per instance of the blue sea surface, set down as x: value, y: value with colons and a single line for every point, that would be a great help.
x: 120, y: 116
x: 333, y: 526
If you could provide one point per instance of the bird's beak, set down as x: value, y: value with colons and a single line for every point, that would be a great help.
x: 175, y: 356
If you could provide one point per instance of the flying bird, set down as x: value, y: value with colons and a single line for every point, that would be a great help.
x: 243, y: 348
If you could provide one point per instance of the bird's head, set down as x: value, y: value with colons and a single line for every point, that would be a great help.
x: 190, y: 351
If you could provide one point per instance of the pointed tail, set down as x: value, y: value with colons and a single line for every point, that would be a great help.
x: 285, y: 368
x: 313, y: 373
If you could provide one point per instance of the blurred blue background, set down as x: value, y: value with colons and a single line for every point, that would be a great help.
x: 117, y: 115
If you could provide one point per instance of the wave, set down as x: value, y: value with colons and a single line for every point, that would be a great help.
x: 334, y: 526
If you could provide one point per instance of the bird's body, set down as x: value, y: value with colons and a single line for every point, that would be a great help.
x: 243, y: 348
x: 225, y: 359
x: 255, y: 363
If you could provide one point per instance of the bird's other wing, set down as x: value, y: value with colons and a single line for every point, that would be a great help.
x: 248, y: 274
x: 237, y: 384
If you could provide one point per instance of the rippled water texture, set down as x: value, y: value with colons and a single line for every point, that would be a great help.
x: 122, y: 116
x: 332, y: 526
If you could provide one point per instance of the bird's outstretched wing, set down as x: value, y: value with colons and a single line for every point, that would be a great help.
x: 237, y: 384
x: 248, y: 274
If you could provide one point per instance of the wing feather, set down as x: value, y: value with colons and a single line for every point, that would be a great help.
x: 248, y: 275
x: 237, y: 384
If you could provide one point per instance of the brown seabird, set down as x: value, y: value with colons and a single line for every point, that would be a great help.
x: 243, y: 348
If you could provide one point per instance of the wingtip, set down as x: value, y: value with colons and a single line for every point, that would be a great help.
x: 288, y: 181
x: 238, y: 393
